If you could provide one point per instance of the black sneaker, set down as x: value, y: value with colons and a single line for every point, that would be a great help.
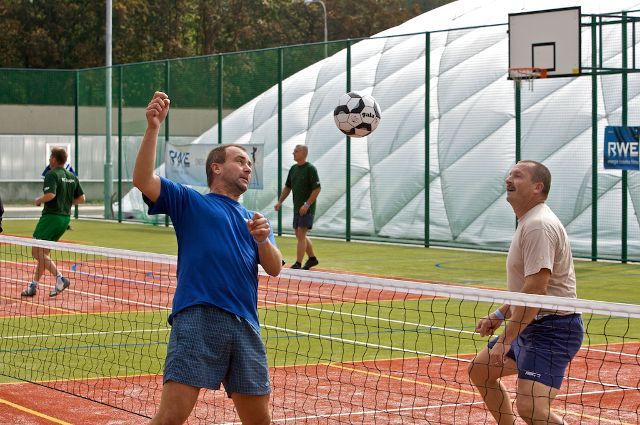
x: 311, y: 262
x: 296, y: 265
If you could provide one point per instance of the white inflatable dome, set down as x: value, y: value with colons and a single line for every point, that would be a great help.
x: 472, y: 134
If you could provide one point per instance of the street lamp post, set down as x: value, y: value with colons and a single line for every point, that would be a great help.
x: 108, y: 165
x: 324, y: 9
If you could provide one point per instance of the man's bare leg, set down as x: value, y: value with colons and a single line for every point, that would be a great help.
x: 176, y: 404
x: 309, y: 249
x: 41, y: 255
x: 301, y: 236
x: 486, y: 378
x: 252, y: 409
x: 534, y: 403
x: 43, y: 262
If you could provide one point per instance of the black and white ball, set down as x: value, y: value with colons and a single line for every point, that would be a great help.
x: 357, y: 115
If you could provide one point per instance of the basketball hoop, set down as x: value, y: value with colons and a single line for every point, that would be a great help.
x: 527, y: 74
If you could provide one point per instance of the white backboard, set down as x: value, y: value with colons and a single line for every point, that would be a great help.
x: 548, y: 39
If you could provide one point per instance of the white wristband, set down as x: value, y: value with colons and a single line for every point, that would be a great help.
x: 262, y: 242
x: 306, y: 204
x: 498, y: 314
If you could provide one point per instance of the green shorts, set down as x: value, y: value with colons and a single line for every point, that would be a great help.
x: 51, y: 227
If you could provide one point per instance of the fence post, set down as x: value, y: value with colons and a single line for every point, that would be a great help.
x: 76, y: 125
x: 167, y: 87
x: 108, y: 165
x: 594, y: 142
x: 427, y: 135
x: 625, y: 113
x: 120, y: 95
x: 518, y: 113
x: 348, y: 157
x: 220, y: 81
x: 280, y: 78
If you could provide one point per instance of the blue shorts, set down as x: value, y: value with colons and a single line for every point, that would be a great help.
x: 544, y: 349
x: 302, y: 220
x: 209, y: 346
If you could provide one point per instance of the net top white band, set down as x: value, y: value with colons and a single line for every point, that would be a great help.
x: 469, y: 293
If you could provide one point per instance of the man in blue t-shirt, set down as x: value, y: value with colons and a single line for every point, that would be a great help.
x: 215, y: 334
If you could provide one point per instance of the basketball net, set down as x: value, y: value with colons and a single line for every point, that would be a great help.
x: 526, y: 74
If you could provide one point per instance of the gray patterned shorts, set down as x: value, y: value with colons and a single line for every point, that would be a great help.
x: 209, y: 346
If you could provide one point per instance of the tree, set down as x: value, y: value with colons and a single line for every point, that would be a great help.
x: 70, y: 34
x: 144, y: 30
x: 47, y: 34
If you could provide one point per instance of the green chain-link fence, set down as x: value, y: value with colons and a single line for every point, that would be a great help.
x: 372, y: 189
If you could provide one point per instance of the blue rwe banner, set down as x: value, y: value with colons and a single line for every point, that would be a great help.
x: 621, y: 147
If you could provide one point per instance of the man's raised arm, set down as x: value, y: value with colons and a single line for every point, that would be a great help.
x: 143, y: 176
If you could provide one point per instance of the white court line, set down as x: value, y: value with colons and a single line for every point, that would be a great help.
x: 90, y: 294
x: 365, y: 344
x: 265, y: 290
x: 598, y: 392
x: 142, y: 282
x: 399, y: 410
x: 366, y: 412
x: 452, y: 330
x: 72, y: 334
x: 613, y: 353
x: 375, y: 318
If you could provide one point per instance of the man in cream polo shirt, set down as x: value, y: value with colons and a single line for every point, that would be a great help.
x: 537, y: 344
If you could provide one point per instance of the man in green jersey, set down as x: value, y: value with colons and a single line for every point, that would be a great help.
x: 304, y: 182
x: 61, y: 191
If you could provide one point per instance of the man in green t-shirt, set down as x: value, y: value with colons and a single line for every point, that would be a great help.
x: 61, y: 190
x: 304, y: 182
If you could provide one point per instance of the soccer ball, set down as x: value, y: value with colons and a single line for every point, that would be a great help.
x: 357, y: 115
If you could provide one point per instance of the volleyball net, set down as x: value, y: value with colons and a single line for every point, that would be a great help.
x: 341, y: 348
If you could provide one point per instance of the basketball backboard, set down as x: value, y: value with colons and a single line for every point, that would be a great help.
x: 546, y: 39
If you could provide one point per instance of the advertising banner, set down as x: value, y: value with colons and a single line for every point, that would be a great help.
x: 186, y: 163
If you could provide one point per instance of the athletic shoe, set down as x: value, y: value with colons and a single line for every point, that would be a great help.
x: 311, y: 262
x: 296, y: 265
x: 62, y: 283
x: 30, y: 291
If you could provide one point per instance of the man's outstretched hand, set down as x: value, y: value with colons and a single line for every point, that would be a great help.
x: 157, y: 109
